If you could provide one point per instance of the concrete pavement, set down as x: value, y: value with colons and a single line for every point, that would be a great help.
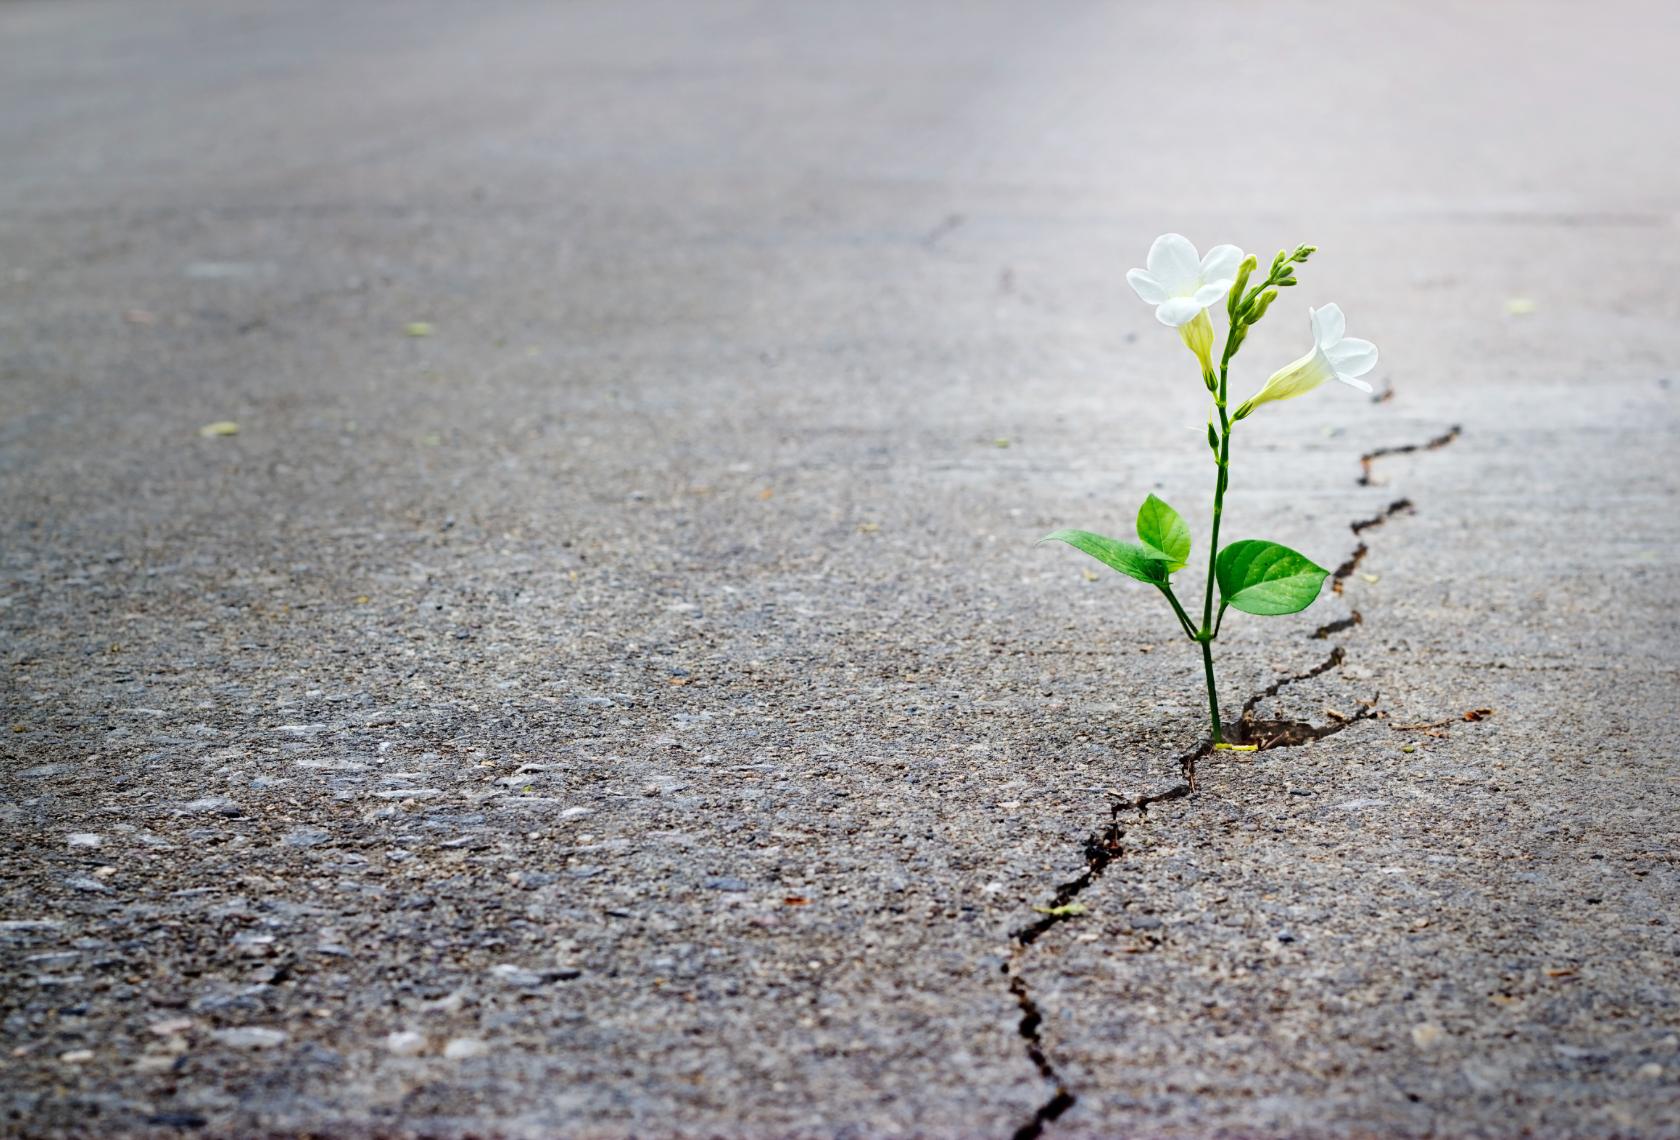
x: 636, y: 706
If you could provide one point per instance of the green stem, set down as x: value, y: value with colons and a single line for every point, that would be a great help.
x: 1213, y: 692
x: 1183, y: 618
x: 1208, y: 632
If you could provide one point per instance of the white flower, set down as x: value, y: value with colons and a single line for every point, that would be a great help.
x: 1332, y: 355
x: 1179, y: 284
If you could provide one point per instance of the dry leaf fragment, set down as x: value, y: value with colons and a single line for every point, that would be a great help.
x: 220, y: 427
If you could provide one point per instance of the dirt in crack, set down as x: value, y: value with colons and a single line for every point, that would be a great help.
x: 1102, y: 847
x: 1370, y: 457
x: 1106, y: 845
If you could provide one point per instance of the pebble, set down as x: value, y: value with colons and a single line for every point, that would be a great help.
x: 461, y: 1048
x: 406, y: 1043
x: 221, y: 805
x: 1428, y: 1035
x: 725, y: 883
x: 250, y: 1037
x: 513, y: 975
x: 1650, y: 1071
x: 76, y: 1056
x: 84, y: 839
x: 170, y: 1026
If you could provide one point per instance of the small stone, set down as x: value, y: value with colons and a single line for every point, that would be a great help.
x: 170, y: 1027
x: 305, y: 837
x: 449, y: 1003
x: 84, y: 839
x: 250, y: 1037
x: 406, y: 1043
x: 1428, y: 1035
x: 76, y: 1056
x: 461, y: 1048
x: 1285, y: 936
x: 725, y: 883
x: 1650, y: 1071
x: 515, y: 975
x: 221, y: 805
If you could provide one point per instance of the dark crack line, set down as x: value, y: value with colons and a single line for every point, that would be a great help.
x: 1104, y: 846
x: 1324, y: 631
x: 1435, y: 444
x: 1396, y: 507
x: 1337, y: 656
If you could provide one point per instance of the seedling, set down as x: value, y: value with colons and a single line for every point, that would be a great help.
x: 1251, y: 575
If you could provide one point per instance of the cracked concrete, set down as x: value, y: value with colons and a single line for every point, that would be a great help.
x: 638, y: 707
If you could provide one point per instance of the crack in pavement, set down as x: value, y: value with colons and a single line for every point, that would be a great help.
x: 1104, y: 846
x: 1434, y: 444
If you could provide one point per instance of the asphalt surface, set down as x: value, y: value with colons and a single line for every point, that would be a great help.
x: 607, y: 686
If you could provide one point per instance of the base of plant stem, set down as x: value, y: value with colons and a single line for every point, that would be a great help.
x: 1208, y: 748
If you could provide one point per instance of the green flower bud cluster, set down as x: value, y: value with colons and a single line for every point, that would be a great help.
x: 1245, y: 306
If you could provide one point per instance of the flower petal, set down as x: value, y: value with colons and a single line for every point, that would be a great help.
x: 1328, y: 324
x: 1296, y: 378
x: 1145, y: 285
x: 1352, y: 383
x: 1213, y: 292
x: 1173, y: 262
x: 1177, y: 311
x: 1221, y: 263
x: 1352, y: 357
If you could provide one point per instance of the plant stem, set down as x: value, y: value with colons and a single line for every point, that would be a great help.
x: 1213, y: 693
x: 1183, y: 618
x: 1207, y: 633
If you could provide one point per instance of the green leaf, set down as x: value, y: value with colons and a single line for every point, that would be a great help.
x: 1127, y: 557
x: 1161, y: 529
x: 1264, y: 578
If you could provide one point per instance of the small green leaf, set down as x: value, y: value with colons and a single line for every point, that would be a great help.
x: 1264, y: 578
x: 1127, y: 557
x: 1161, y: 529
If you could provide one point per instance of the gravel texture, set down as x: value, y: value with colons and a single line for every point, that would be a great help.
x: 520, y: 614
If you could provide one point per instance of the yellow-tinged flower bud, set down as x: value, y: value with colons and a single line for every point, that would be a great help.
x: 1296, y: 378
x: 1198, y: 337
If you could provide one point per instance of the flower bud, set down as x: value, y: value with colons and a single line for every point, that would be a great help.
x: 1261, y: 304
x: 1249, y: 264
x: 1198, y: 337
